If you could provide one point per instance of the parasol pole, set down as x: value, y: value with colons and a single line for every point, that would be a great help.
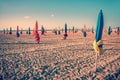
x: 95, y: 62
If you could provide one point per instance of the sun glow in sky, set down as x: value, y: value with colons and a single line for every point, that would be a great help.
x: 54, y: 13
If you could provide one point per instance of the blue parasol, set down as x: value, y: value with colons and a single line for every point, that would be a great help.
x: 65, y: 35
x: 29, y: 31
x: 97, y: 44
x: 17, y: 32
x: 65, y: 28
x: 42, y: 30
x: 109, y: 30
x: 93, y: 30
x: 10, y: 31
x: 99, y: 27
x: 84, y: 31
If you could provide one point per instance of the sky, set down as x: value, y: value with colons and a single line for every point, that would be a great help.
x: 54, y: 13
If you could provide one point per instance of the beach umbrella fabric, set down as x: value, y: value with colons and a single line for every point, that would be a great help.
x: 73, y: 29
x: 109, y: 30
x: 42, y: 30
x: 55, y: 31
x: 35, y: 31
x: 58, y: 30
x: 36, y: 34
x: 10, y: 32
x: 4, y: 31
x: 92, y: 30
x: 118, y: 30
x: 99, y: 29
x: 84, y: 31
x: 29, y: 31
x: 84, y: 34
x: 17, y: 32
x: 65, y: 34
x: 65, y: 28
x: 21, y: 31
x: 62, y: 29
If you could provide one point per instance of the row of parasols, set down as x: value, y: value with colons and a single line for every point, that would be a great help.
x: 56, y: 31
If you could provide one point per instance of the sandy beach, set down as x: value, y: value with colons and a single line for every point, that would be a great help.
x: 57, y: 59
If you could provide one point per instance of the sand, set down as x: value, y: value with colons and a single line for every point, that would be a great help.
x: 57, y: 59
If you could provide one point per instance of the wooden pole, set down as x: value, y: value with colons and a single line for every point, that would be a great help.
x: 96, y: 63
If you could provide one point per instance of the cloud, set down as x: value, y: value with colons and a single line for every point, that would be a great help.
x: 26, y: 17
x: 52, y: 15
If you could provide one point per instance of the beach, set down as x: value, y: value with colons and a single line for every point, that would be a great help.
x: 57, y: 59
